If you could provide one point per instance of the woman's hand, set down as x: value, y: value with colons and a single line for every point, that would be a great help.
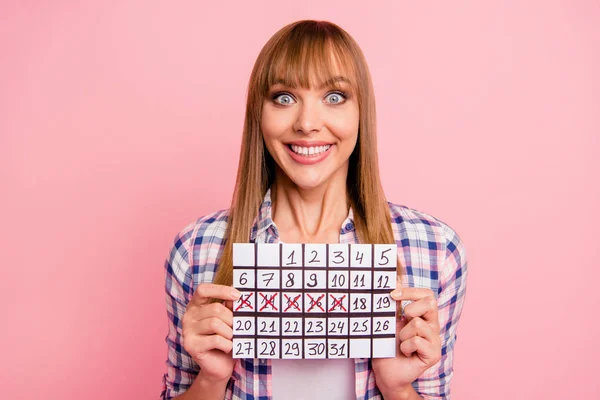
x: 207, y: 330
x: 419, y: 345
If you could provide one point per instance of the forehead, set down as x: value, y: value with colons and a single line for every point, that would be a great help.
x: 312, y: 69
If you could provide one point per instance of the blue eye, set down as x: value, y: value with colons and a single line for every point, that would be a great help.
x: 284, y: 98
x: 336, y: 97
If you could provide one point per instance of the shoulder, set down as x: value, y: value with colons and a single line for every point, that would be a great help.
x: 432, y: 244
x: 196, y: 248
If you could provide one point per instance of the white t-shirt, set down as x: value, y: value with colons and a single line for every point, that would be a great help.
x: 332, y: 379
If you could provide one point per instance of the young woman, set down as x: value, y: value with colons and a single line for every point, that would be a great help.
x: 308, y: 173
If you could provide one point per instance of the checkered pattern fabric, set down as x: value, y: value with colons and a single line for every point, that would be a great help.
x: 431, y: 252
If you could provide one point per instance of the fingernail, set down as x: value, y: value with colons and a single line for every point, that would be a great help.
x: 396, y: 294
x: 235, y: 294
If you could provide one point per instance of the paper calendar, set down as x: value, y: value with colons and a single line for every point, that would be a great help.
x: 314, y: 300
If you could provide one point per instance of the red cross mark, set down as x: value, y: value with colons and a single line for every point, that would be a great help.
x: 292, y: 302
x: 268, y: 301
x: 316, y: 302
x: 337, y: 303
x: 245, y: 302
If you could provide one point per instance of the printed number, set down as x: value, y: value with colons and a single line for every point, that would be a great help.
x: 336, y: 350
x: 288, y: 327
x: 291, y: 258
x: 316, y: 349
x: 268, y: 280
x: 243, y: 279
x: 338, y: 254
x: 338, y: 280
x: 264, y: 329
x: 241, y: 349
x: 380, y: 281
x: 292, y: 349
x: 318, y: 327
x: 360, y: 303
x: 359, y: 281
x: 267, y: 348
x: 361, y: 256
x: 356, y: 327
x: 387, y: 260
x: 290, y: 281
x: 337, y: 328
x: 245, y: 327
x: 314, y: 259
x: 379, y: 326
x: 383, y: 302
x: 313, y: 278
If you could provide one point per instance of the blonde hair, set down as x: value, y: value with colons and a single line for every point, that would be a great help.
x: 296, y: 53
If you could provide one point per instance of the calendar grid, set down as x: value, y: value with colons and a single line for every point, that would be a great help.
x: 337, y: 306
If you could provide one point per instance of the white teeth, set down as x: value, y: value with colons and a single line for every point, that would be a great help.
x: 310, y: 151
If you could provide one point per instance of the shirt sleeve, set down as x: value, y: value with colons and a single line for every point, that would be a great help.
x: 181, y: 368
x: 435, y: 381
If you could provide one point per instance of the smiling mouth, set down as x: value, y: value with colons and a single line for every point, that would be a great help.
x: 312, y: 151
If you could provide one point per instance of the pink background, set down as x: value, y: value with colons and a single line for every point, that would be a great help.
x: 121, y: 123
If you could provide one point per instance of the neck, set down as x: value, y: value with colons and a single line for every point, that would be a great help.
x: 309, y: 215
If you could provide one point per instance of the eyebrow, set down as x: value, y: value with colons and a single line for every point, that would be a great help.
x: 329, y: 82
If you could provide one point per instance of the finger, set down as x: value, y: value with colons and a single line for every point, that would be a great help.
x: 426, y: 350
x: 203, y: 344
x: 206, y: 291
x: 217, y: 310
x: 228, y: 304
x: 418, y: 327
x: 212, y: 326
x: 411, y: 293
x: 425, y: 308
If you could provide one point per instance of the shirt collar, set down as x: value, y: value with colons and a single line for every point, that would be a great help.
x: 264, y: 220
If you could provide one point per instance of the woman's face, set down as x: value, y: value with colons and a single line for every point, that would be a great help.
x: 311, y: 133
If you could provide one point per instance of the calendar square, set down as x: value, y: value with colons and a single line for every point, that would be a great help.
x: 268, y: 255
x: 315, y: 326
x: 246, y: 302
x: 244, y: 325
x: 360, y: 326
x: 315, y: 279
x: 291, y: 348
x: 337, y: 327
x: 385, y: 280
x: 291, y: 255
x: 243, y: 254
x: 360, y: 348
x: 268, y: 302
x: 360, y: 280
x: 338, y: 280
x: 384, y: 347
x: 338, y: 348
x: 268, y: 279
x: 243, y: 279
x: 360, y: 302
x: 291, y: 279
x: 337, y: 302
x: 360, y: 255
x: 268, y: 348
x: 383, y: 302
x: 315, y: 255
x: 243, y: 348
x: 268, y: 326
x: 292, y: 302
x: 314, y: 302
x: 384, y: 325
x: 338, y: 255
x: 386, y: 255
x: 292, y: 326
x: 314, y: 348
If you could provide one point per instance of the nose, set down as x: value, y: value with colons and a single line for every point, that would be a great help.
x: 309, y: 119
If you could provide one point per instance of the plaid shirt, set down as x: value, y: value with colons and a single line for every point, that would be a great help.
x: 432, y: 255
